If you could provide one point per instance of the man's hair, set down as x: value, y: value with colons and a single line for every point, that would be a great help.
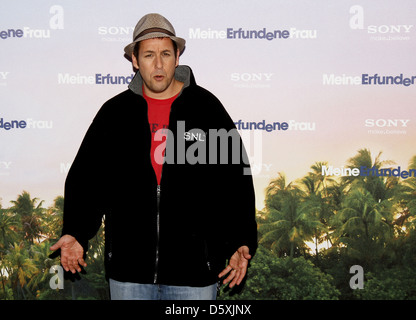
x: 137, y: 47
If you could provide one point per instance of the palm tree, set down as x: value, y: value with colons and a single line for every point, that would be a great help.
x: 53, y: 220
x: 322, y: 181
x: 317, y: 205
x: 39, y: 254
x: 381, y: 188
x: 20, y: 269
x: 288, y: 224
x: 364, y: 225
x: 8, y: 227
x: 30, y: 215
x: 8, y: 234
x: 406, y: 199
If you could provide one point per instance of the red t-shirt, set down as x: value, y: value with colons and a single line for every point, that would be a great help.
x: 158, y: 114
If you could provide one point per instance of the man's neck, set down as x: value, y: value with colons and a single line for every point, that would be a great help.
x: 171, y: 91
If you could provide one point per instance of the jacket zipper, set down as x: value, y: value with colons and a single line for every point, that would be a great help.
x: 157, y: 235
x: 155, y: 276
x: 206, y: 255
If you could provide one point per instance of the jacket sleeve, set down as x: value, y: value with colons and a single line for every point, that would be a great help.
x: 235, y: 188
x: 85, y: 197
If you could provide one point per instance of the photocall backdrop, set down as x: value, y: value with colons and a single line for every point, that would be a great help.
x: 340, y: 74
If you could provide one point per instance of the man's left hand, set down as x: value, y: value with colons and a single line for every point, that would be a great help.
x: 237, y: 267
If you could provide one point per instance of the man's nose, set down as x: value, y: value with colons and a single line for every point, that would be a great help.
x: 158, y: 62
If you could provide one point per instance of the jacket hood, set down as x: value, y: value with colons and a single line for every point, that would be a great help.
x: 182, y: 73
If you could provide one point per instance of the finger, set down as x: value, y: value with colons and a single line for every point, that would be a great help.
x: 75, y: 266
x: 242, y: 274
x: 235, y: 278
x: 64, y: 262
x: 228, y: 279
x: 56, y: 245
x: 82, y: 262
x: 231, y: 276
x: 66, y: 259
x: 246, y: 252
x: 225, y: 271
x: 243, y: 271
x: 72, y: 266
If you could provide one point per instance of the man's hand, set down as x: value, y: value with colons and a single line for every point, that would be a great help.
x: 71, y: 253
x: 237, y: 267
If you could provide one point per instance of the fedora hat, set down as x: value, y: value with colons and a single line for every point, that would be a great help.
x: 153, y: 25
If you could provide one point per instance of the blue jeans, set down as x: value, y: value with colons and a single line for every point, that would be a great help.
x: 137, y: 291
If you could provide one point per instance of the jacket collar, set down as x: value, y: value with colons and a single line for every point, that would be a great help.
x: 182, y: 73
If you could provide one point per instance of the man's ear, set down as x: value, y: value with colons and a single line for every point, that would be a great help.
x: 135, y: 62
x: 177, y: 58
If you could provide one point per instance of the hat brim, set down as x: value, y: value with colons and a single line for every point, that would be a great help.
x: 179, y: 41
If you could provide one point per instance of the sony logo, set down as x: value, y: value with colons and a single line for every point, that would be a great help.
x: 115, y: 30
x: 386, y: 122
x: 246, y: 76
x: 357, y: 23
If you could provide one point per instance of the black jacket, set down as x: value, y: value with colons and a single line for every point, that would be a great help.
x: 178, y: 233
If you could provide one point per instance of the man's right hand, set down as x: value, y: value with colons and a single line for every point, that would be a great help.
x: 71, y: 253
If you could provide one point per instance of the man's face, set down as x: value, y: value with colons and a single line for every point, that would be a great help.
x: 156, y: 63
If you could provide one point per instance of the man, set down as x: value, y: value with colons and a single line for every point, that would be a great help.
x: 177, y: 205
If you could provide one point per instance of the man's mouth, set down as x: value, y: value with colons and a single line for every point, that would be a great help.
x: 158, y: 77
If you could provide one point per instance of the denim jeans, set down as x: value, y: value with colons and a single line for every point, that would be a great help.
x: 137, y: 291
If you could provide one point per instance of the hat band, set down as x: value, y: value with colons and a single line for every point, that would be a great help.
x: 144, y: 32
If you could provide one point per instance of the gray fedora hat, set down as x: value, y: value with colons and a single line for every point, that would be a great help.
x: 153, y: 25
